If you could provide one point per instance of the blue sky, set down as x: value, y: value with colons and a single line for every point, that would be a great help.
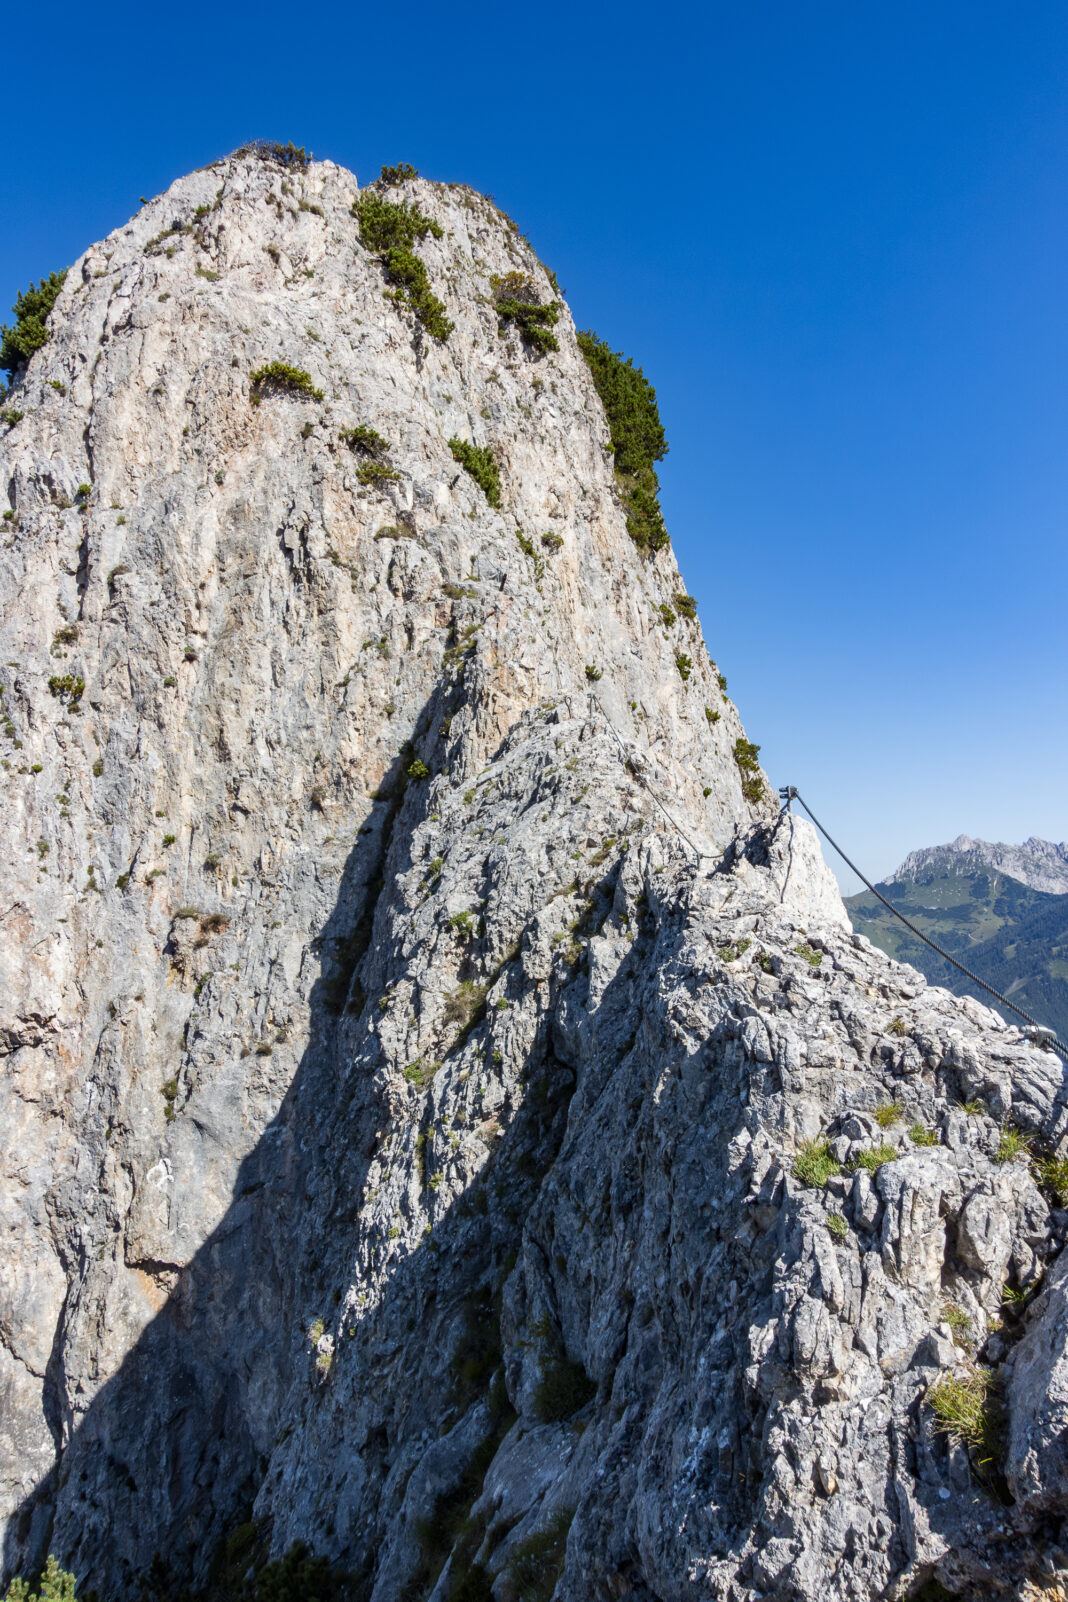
x: 834, y: 236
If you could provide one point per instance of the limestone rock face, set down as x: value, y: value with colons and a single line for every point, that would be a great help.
x: 412, y: 1032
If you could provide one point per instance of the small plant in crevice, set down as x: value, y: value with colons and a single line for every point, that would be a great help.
x: 873, y: 1157
x: 745, y: 760
x: 637, y: 438
x: 516, y: 299
x: 813, y: 958
x: 1051, y: 1173
x: 479, y: 461
x: 280, y: 378
x: 593, y: 672
x: 920, y: 1135
x: 888, y: 1114
x: 711, y: 716
x: 391, y: 231
x: 684, y: 665
x: 528, y: 548
x: 837, y: 1226
x: 1012, y: 1144
x: 814, y: 1163
x: 959, y: 1323
x: 734, y: 949
x: 967, y: 1409
x: 400, y: 174
x: 465, y: 1008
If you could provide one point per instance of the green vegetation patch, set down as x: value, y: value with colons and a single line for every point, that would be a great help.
x: 637, y: 435
x: 517, y: 301
x: 67, y: 687
x: 745, y: 760
x: 837, y: 1226
x: 287, y: 155
x: 1052, y: 1174
x: 1013, y: 1144
x: 391, y: 231
x: 30, y: 329
x: 967, y: 1409
x: 734, y: 949
x: 399, y: 174
x: 874, y: 1157
x: 279, y: 378
x: 367, y: 441
x: 888, y: 1114
x: 56, y: 1586
x: 479, y: 461
x: 814, y: 1163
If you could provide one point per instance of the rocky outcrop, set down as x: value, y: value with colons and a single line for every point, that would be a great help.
x: 450, y: 1119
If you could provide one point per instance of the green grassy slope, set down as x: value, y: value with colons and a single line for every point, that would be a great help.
x: 1014, y: 937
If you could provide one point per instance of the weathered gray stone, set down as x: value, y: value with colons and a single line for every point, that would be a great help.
x: 383, y: 1140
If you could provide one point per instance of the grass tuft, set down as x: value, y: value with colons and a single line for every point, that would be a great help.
x: 813, y: 1163
x: 967, y: 1410
x: 873, y: 1158
x: 1013, y: 1144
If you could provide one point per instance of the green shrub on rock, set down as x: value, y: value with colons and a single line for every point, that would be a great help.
x: 745, y: 757
x: 30, y: 331
x: 390, y: 231
x: 516, y: 298
x: 479, y: 461
x: 637, y: 434
x: 56, y: 1586
x: 279, y: 378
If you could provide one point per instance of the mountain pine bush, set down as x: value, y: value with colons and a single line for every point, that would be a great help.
x: 637, y: 434
x: 30, y: 331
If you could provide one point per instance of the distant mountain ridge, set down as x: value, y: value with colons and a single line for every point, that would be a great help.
x: 1000, y: 909
x: 1039, y: 864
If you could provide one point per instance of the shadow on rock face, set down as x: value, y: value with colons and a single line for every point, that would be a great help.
x: 170, y: 1456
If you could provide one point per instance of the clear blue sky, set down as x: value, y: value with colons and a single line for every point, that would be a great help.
x: 834, y: 235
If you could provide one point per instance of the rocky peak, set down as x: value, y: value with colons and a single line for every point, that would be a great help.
x: 1037, y: 863
x: 449, y: 1120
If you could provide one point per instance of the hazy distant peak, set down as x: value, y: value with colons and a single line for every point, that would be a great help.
x: 1039, y: 864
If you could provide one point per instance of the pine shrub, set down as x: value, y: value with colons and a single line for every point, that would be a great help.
x: 391, y: 231
x: 30, y: 330
x: 479, y: 461
x: 637, y: 435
